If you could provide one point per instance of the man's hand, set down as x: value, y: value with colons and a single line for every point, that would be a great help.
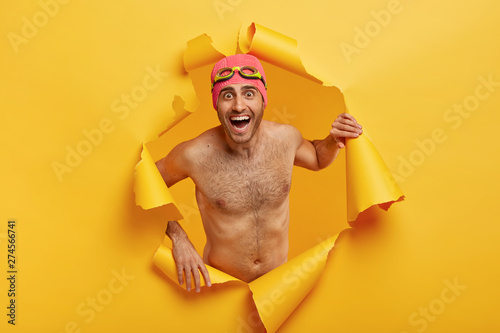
x: 188, y: 261
x: 318, y: 154
x: 345, y: 126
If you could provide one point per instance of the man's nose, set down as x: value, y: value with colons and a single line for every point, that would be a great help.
x: 239, y: 104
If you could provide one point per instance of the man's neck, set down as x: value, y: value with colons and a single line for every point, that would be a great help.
x: 245, y: 149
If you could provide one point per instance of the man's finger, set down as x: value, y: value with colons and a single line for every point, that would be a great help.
x: 205, y: 274
x: 187, y: 272
x: 180, y: 275
x: 347, y: 127
x: 348, y: 134
x: 343, y: 134
x: 196, y: 276
x: 346, y: 117
x: 349, y: 122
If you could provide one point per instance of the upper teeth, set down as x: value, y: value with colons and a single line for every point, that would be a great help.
x: 239, y: 118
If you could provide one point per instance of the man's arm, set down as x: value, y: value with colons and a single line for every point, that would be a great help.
x: 173, y: 168
x: 318, y: 154
x: 187, y: 259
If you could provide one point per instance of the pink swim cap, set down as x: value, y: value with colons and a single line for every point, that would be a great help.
x: 238, y: 60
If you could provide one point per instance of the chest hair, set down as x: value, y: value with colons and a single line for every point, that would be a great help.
x: 238, y: 184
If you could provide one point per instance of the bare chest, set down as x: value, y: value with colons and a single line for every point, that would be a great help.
x: 237, y: 185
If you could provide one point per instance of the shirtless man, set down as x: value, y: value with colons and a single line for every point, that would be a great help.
x: 242, y: 170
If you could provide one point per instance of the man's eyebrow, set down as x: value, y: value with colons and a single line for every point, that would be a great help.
x: 227, y: 88
x: 245, y: 87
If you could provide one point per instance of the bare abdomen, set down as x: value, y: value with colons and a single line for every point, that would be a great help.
x: 240, y: 263
x: 250, y: 249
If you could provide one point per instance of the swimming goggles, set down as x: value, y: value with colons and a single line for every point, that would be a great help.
x: 247, y: 72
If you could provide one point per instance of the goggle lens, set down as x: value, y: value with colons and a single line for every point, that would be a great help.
x: 245, y: 70
x: 248, y: 72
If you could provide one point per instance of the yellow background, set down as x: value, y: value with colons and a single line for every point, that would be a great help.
x: 74, y: 235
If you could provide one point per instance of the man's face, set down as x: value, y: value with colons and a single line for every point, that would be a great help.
x: 240, y: 109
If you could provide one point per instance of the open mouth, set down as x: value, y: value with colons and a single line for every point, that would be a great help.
x: 240, y: 123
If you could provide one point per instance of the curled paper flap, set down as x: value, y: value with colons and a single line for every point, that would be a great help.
x: 150, y: 189
x: 274, y: 48
x: 369, y: 181
x: 278, y: 293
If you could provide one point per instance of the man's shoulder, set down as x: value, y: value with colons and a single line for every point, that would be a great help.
x: 211, y: 135
x: 192, y: 147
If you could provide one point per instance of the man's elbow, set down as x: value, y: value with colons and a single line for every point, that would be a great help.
x: 158, y: 163
x: 159, y: 166
x: 322, y: 165
x: 315, y: 167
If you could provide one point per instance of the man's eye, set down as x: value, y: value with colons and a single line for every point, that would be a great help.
x: 228, y: 95
x: 249, y: 93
